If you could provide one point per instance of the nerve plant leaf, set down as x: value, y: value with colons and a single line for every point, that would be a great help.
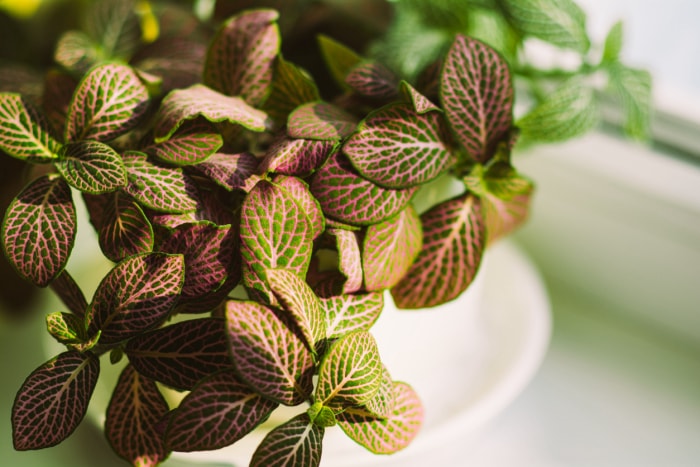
x: 349, y: 259
x: 633, y: 86
x: 295, y: 443
x: 421, y: 104
x: 391, y: 434
x: 181, y: 354
x: 291, y: 87
x: 159, y: 188
x: 66, y: 328
x: 218, y: 412
x: 383, y: 402
x: 351, y: 312
x: 348, y: 197
x: 77, y: 52
x: 136, y: 295
x: 476, y: 92
x: 133, y: 419
x: 300, y: 192
x: 320, y: 121
x: 275, y: 232
x: 109, y: 101
x: 53, y: 400
x: 240, y: 59
x: 339, y: 59
x: 351, y: 372
x: 502, y: 216
x: 268, y: 354
x: 389, y: 249
x: 398, y: 148
x: 291, y: 156
x: 39, y: 229
x: 65, y: 287
x: 24, y: 132
x: 91, y: 167
x: 190, y: 145
x: 453, y: 243
x: 231, y: 171
x: 372, y: 79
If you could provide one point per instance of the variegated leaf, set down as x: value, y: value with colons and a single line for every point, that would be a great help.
x: 419, y: 102
x: 453, y: 244
x: 109, y: 101
x: 231, y: 171
x: 398, y: 148
x: 199, y: 101
x: 159, y: 188
x: 136, y: 295
x: 77, y: 52
x: 181, y: 354
x: 389, y: 249
x: 66, y: 328
x: 477, y: 95
x: 389, y: 435
x: 53, y: 400
x: 188, y: 146
x: 320, y: 121
x: 65, y: 287
x: 39, y: 229
x: 383, y: 402
x: 347, y: 197
x: 267, y: 354
x: 351, y: 372
x: 291, y: 87
x: 134, y: 414
x: 504, y: 216
x: 91, y: 167
x: 218, y: 412
x: 351, y: 312
x: 299, y: 157
x: 299, y: 191
x: 275, y: 232
x: 240, y: 59
x: 349, y: 259
x: 297, y: 442
x: 124, y: 229
x: 24, y: 132
x: 372, y: 79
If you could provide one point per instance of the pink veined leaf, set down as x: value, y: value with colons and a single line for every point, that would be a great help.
x: 389, y: 435
x: 275, y: 232
x: 188, y: 146
x: 268, y: 354
x: 136, y: 295
x: 177, y: 60
x: 389, y: 249
x: 231, y: 171
x: 299, y: 191
x: 477, y: 95
x: 181, y: 354
x: 351, y: 312
x: 53, y: 400
x: 109, y: 101
x: 199, y: 101
x: 159, y: 188
x: 453, y: 244
x: 24, y: 132
x: 320, y: 121
x: 503, y: 216
x: 291, y: 87
x: 39, y: 229
x: 302, y: 304
x: 124, y: 229
x: 383, y: 402
x: 240, y: 60
x: 295, y: 443
x: 299, y: 157
x: 91, y: 167
x: 419, y: 102
x: 77, y: 52
x: 349, y: 259
x: 65, y: 287
x: 218, y: 412
x: 211, y: 206
x: 66, y: 328
x: 398, y: 148
x: 372, y: 79
x: 347, y: 197
x: 58, y: 91
x: 350, y: 373
x: 132, y: 425
x: 210, y: 254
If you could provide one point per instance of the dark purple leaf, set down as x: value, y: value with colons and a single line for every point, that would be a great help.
x: 181, y: 354
x: 65, y: 287
x: 217, y: 413
x: 320, y: 121
x: 53, y: 400
x: 91, y: 167
x: 39, y: 229
x: 295, y: 443
x: 135, y: 296
x: 178, y: 61
x: 133, y: 419
x: 231, y: 171
x: 58, y: 91
x: 372, y: 79
x: 124, y: 229
x: 24, y: 132
x: 295, y: 156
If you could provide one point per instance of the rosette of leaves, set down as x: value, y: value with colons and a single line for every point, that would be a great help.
x: 270, y: 220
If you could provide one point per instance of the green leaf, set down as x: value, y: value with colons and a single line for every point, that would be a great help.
x: 91, y: 167
x: 320, y: 121
x: 66, y: 328
x: 633, y: 86
x: 77, y: 52
x: 348, y: 313
x: 114, y: 25
x: 297, y: 442
x: 570, y: 111
x: 419, y: 102
x: 39, y: 229
x: 391, y: 434
x: 321, y: 415
x: 291, y: 87
x: 339, y: 59
x: 349, y: 259
x: 613, y: 43
x: 188, y: 146
x: 24, y: 132
x: 559, y: 22
x: 382, y: 404
x: 351, y: 372
x: 109, y: 101
x: 300, y: 192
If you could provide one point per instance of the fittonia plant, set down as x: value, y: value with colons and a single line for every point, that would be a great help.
x: 248, y: 181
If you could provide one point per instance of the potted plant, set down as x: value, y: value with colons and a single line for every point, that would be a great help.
x: 255, y: 221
